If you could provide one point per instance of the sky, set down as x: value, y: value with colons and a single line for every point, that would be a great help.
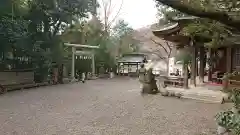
x: 138, y: 13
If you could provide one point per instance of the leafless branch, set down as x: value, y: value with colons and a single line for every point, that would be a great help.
x: 108, y: 11
x: 109, y: 8
x: 115, y: 17
x: 162, y: 46
x: 166, y: 47
x: 157, y: 53
x: 170, y: 47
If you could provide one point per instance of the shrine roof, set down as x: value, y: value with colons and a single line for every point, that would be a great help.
x: 170, y: 31
x: 176, y: 25
x: 132, y: 58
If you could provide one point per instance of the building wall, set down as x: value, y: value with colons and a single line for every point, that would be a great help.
x: 221, y: 60
x: 173, y: 66
x: 236, y: 59
x: 128, y: 69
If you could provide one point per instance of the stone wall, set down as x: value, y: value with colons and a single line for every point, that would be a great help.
x: 7, y: 78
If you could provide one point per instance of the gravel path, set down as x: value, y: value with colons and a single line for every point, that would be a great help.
x: 102, y: 107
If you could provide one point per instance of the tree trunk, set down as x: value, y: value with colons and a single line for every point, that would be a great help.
x: 168, y: 67
x: 193, y: 67
x: 202, y: 66
x: 60, y: 73
x: 185, y: 73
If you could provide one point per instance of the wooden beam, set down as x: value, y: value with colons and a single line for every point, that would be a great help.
x: 81, y: 46
x: 83, y: 53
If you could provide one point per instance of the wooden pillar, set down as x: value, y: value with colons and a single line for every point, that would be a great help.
x: 202, y: 66
x: 93, y: 64
x: 73, y: 63
x: 118, y: 68
x: 210, y: 51
x: 128, y: 69
x: 193, y: 66
x: 197, y: 67
x: 229, y: 60
x: 185, y: 74
x: 137, y: 69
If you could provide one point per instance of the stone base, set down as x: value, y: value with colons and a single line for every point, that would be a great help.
x: 149, y: 88
x: 93, y: 77
x: 222, y: 131
x: 66, y: 80
x: 74, y: 80
x: 111, y: 75
x: 197, y: 94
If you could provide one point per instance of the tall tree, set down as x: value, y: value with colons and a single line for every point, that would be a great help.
x: 48, y: 18
x: 13, y: 29
x: 110, y: 13
x: 123, y: 35
x: 38, y: 24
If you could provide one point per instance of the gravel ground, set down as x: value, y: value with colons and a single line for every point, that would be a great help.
x: 102, y: 107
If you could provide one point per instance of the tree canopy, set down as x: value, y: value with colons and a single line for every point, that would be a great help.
x: 223, y: 11
x: 31, y: 28
x: 203, y: 28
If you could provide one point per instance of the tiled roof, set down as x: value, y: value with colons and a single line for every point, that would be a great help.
x: 133, y: 59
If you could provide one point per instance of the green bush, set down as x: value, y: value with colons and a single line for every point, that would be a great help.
x: 231, y: 119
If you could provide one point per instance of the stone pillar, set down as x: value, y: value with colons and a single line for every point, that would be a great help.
x: 193, y: 67
x: 229, y: 60
x: 73, y: 63
x: 202, y: 66
x: 93, y: 64
x: 65, y: 73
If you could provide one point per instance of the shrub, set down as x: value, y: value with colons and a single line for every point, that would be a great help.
x: 231, y: 119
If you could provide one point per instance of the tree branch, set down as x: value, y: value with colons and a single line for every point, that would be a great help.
x: 56, y: 28
x: 170, y: 49
x: 115, y: 17
x: 156, y: 52
x: 222, y: 17
x: 109, y: 7
x: 162, y: 46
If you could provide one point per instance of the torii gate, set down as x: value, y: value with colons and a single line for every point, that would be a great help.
x: 75, y: 52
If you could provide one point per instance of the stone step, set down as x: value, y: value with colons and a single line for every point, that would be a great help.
x: 203, y: 95
x: 213, y: 98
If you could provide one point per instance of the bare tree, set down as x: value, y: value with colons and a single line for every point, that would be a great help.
x: 163, y: 49
x: 110, y: 13
x: 160, y: 48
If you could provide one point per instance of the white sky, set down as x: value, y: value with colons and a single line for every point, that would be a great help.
x: 138, y: 13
